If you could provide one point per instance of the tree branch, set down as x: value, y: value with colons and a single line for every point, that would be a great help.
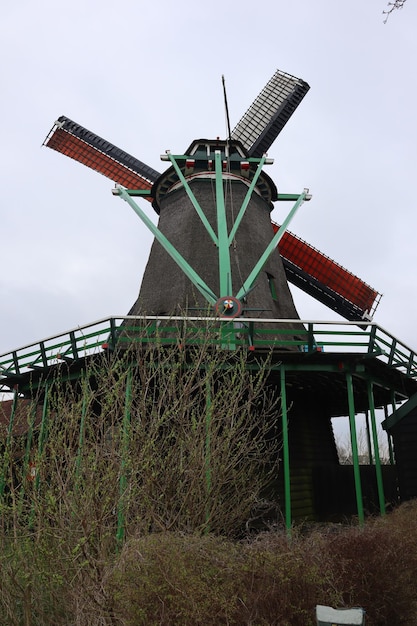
x: 397, y: 4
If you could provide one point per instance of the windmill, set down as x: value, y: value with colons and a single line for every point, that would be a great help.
x: 217, y: 257
x: 216, y: 252
x: 215, y: 245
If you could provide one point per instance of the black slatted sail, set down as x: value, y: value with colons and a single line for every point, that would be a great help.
x: 270, y: 111
x: 82, y: 145
x: 322, y: 293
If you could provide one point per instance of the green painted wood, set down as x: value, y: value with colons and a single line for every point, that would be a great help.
x: 379, y: 480
x: 251, y: 279
x: 197, y: 281
x: 121, y: 507
x: 354, y: 443
x: 286, y: 451
x: 7, y: 450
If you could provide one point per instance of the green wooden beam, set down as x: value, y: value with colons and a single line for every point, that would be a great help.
x: 193, y: 199
x: 253, y: 276
x: 42, y: 434
x: 354, y: 444
x: 121, y: 507
x: 81, y: 436
x: 197, y: 281
x: 225, y: 270
x: 7, y: 451
x: 287, y: 197
x: 144, y: 193
x: 400, y: 413
x: 207, y: 453
x: 286, y: 451
x: 378, y: 471
x: 246, y: 200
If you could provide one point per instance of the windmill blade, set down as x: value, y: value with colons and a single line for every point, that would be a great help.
x: 327, y: 281
x: 270, y: 111
x: 82, y: 145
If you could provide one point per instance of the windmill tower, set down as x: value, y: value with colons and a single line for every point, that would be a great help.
x: 217, y: 254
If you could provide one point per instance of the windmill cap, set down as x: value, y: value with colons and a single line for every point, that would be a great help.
x: 199, y: 162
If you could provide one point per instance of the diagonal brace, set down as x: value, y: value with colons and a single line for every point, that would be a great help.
x: 247, y: 199
x: 253, y: 276
x: 193, y: 199
x: 197, y: 281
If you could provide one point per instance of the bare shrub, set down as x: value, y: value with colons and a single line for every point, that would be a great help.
x: 272, y: 580
x: 375, y: 567
x: 145, y: 440
x: 147, y: 468
x: 167, y: 578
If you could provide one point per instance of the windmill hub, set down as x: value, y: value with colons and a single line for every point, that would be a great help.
x: 229, y: 307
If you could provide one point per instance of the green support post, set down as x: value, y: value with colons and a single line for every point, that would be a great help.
x: 41, y: 443
x: 368, y: 438
x: 354, y: 444
x: 6, y: 456
x: 378, y: 470
x: 42, y: 434
x: 74, y: 347
x: 372, y: 336
x: 121, y: 508
x: 82, y: 431
x: 225, y: 271
x: 207, y: 460
x: 389, y: 440
x: 43, y: 354
x: 28, y: 448
x: 192, y: 198
x: 113, y: 333
x: 253, y: 276
x: 286, y: 452
x: 247, y: 199
x: 394, y: 408
x: 197, y: 281
x: 310, y: 335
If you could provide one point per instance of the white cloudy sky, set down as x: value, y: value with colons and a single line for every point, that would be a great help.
x: 147, y: 77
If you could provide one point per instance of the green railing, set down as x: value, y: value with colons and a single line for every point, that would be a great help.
x: 250, y: 333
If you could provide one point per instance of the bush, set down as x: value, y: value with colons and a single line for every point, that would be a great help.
x: 271, y: 579
x: 154, y: 439
x: 147, y: 470
x: 174, y: 578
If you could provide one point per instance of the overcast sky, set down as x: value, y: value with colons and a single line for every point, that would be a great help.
x: 147, y: 77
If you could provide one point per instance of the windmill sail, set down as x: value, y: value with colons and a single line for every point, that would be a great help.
x: 82, y: 145
x: 327, y: 281
x: 270, y: 111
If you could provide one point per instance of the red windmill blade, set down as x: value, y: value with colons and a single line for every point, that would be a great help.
x: 82, y: 145
x: 324, y: 279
